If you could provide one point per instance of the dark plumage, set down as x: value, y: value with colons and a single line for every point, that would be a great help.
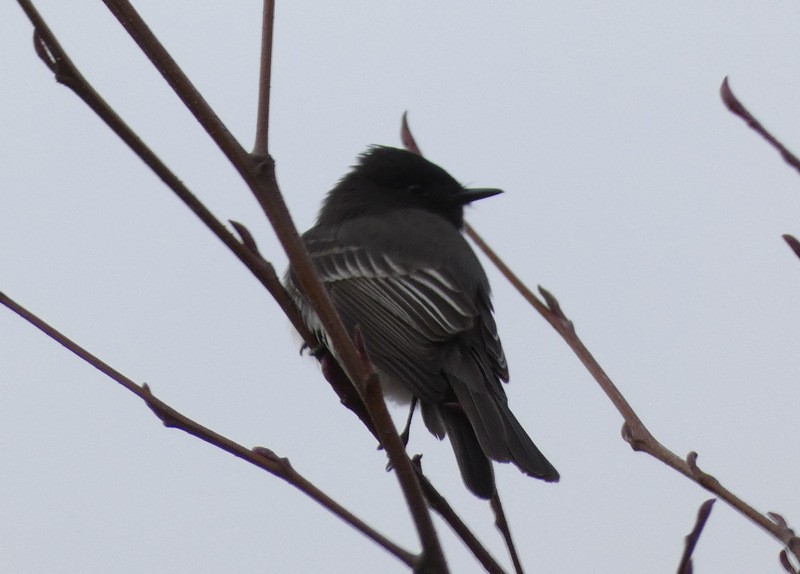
x: 388, y: 248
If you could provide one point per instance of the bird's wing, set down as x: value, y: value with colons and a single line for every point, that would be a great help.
x: 405, y: 311
x: 491, y: 349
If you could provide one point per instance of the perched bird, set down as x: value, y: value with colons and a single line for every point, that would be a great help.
x: 388, y: 248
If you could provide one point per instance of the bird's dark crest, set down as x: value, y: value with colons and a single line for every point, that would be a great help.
x: 397, y: 168
x: 387, y: 179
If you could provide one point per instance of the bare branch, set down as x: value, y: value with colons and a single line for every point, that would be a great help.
x: 736, y: 107
x: 48, y: 47
x: 634, y: 430
x: 793, y: 243
x: 685, y: 566
x: 171, y: 418
x: 502, y: 525
x: 261, y: 147
x: 407, y: 137
x: 440, y: 505
x: 259, y: 173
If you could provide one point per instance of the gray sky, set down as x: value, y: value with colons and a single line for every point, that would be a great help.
x: 652, y: 213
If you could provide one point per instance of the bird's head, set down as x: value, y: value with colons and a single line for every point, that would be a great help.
x: 387, y: 178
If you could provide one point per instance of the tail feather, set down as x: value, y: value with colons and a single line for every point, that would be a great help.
x: 524, y: 453
x: 498, y: 432
x: 476, y: 468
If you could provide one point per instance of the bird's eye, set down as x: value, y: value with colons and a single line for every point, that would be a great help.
x: 415, y: 188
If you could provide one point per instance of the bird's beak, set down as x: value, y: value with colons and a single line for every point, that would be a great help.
x: 470, y: 194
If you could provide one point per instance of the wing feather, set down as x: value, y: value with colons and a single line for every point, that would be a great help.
x: 405, y: 311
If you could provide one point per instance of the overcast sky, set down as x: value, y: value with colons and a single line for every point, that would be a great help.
x: 652, y: 213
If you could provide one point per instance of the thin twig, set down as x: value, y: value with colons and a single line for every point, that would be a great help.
x: 794, y: 245
x: 409, y: 142
x: 440, y: 505
x: 171, y: 418
x: 261, y: 147
x: 736, y: 107
x: 502, y: 525
x: 685, y: 565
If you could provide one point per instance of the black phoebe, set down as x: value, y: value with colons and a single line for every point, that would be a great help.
x: 388, y: 248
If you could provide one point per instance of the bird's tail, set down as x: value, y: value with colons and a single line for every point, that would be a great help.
x: 498, y: 432
x: 476, y: 469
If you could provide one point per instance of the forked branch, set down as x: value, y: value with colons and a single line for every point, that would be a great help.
x: 258, y: 172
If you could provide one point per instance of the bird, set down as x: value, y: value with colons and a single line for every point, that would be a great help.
x: 388, y: 248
